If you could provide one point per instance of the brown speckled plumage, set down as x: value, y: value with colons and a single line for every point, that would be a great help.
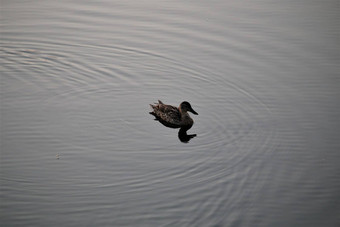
x: 172, y: 116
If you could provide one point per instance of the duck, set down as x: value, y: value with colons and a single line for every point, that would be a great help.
x: 172, y: 116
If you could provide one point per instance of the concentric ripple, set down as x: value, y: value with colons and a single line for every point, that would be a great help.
x: 77, y: 78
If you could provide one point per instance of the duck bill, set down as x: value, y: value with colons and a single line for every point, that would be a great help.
x: 193, y: 111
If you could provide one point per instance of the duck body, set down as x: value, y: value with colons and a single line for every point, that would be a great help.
x: 174, y: 117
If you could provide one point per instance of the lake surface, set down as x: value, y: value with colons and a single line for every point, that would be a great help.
x: 79, y: 147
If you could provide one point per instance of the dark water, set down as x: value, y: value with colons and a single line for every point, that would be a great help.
x: 78, y: 147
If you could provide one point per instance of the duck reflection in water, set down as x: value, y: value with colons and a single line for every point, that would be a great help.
x: 173, y: 117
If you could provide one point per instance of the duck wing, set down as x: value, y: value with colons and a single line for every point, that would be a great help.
x: 166, y: 113
x: 171, y: 114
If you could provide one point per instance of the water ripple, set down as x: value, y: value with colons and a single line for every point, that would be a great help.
x: 76, y: 83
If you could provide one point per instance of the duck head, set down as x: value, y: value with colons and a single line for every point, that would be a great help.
x: 185, y: 106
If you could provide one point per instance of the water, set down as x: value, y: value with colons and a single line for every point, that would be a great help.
x: 78, y: 147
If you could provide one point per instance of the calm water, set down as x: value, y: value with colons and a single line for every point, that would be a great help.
x: 78, y: 147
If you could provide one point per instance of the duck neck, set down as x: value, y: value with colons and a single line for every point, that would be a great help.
x: 183, y: 112
x: 185, y: 117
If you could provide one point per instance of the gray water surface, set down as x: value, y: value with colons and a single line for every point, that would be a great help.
x: 79, y: 148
